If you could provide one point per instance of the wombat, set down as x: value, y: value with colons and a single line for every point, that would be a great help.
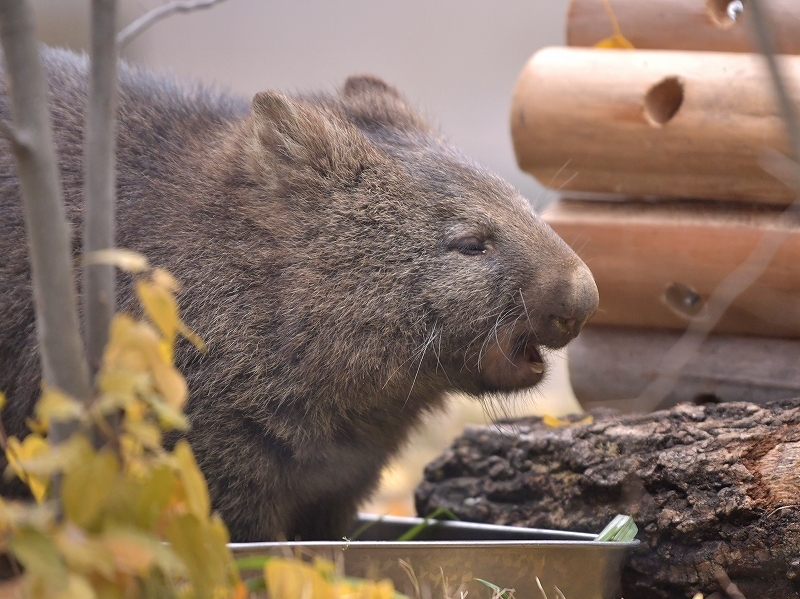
x: 345, y: 265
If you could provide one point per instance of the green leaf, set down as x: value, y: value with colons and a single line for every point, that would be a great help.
x: 251, y: 562
x: 413, y: 532
x: 255, y: 584
x: 39, y: 556
x: 620, y: 530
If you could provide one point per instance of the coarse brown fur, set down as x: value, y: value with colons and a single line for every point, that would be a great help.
x: 346, y: 266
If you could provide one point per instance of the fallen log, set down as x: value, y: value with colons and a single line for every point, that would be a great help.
x: 714, y: 489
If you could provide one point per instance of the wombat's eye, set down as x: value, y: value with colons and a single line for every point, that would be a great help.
x: 469, y: 246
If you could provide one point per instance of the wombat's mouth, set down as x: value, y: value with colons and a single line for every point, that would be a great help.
x: 529, y: 355
x: 515, y: 364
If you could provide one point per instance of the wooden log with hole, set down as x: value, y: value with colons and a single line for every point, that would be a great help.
x: 707, y: 25
x: 651, y: 124
x: 656, y: 264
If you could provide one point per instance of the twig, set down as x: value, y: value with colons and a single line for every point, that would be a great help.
x: 162, y: 12
x: 753, y: 267
x: 99, y: 176
x: 60, y: 344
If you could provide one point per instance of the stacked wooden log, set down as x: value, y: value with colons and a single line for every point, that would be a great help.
x: 658, y: 153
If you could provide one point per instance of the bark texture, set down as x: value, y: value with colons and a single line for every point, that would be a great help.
x: 713, y: 487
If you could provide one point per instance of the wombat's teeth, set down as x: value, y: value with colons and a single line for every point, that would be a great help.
x: 537, y: 367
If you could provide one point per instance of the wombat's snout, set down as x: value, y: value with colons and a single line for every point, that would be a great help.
x: 569, y: 306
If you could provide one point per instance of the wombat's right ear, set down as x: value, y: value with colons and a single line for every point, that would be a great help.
x: 359, y: 85
x: 371, y: 100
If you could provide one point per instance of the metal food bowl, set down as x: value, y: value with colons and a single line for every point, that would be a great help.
x: 447, y: 557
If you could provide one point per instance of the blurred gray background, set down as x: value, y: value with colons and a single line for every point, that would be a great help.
x: 455, y: 59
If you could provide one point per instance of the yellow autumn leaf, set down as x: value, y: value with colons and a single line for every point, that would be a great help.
x: 56, y: 406
x: 293, y: 579
x: 170, y: 383
x: 160, y: 306
x: 150, y: 494
x: 192, y: 480
x: 2, y: 400
x: 193, y: 540
x: 147, y: 433
x: 135, y: 411
x: 617, y: 40
x: 123, y: 259
x: 18, y: 454
x: 192, y: 337
x: 169, y: 418
x: 165, y: 280
x: 78, y: 587
x: 36, y: 427
x: 82, y: 553
x: 364, y: 589
x: 37, y: 552
x: 132, y: 552
x: 554, y: 422
x: 87, y: 485
x: 130, y: 342
x: 118, y: 387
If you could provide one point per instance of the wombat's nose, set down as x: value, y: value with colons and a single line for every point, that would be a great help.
x: 576, y: 302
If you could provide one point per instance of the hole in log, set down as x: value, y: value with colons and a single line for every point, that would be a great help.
x: 663, y: 101
x: 683, y: 300
x: 702, y: 399
x: 724, y: 13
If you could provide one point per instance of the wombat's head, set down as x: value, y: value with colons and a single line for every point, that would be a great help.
x: 406, y: 263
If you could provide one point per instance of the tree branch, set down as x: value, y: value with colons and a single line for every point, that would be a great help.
x: 157, y: 14
x: 100, y: 176
x: 48, y: 234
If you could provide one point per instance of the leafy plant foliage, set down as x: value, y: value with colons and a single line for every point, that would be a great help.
x: 116, y: 514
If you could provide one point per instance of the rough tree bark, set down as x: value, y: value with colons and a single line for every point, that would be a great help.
x: 48, y: 233
x: 100, y: 179
x: 711, y: 487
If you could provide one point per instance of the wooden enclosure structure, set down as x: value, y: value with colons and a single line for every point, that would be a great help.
x: 661, y: 154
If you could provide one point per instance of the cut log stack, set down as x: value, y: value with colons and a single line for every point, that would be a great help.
x: 657, y: 153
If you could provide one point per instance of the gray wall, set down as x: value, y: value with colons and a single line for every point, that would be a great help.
x: 456, y: 59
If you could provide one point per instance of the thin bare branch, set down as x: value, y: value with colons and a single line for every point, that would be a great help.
x: 48, y: 234
x: 753, y: 267
x: 159, y: 13
x: 100, y: 175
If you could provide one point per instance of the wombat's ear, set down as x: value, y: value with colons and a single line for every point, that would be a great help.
x: 292, y: 131
x: 359, y: 85
x: 371, y: 101
x: 279, y: 122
